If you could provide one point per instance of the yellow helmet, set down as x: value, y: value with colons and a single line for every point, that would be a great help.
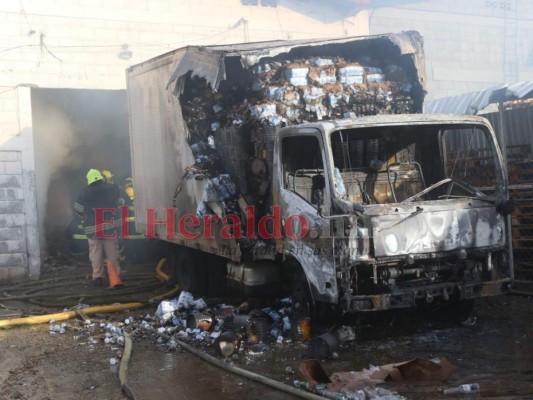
x: 108, y: 175
x: 93, y: 176
x: 129, y: 192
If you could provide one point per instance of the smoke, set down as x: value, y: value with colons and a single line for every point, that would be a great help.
x: 74, y: 130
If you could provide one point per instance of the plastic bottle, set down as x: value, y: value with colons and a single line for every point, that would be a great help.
x: 466, y: 388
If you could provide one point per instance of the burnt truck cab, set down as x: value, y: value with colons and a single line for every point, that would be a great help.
x: 397, y: 210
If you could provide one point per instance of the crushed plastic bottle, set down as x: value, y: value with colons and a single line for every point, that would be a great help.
x: 275, y: 316
x: 286, y: 324
x: 466, y: 388
x: 55, y: 328
x: 113, y: 361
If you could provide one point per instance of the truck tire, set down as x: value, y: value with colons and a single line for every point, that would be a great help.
x: 322, y: 316
x: 188, y: 270
x: 302, y: 303
x: 216, y: 275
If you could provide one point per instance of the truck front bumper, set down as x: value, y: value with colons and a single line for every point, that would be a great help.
x: 410, y: 297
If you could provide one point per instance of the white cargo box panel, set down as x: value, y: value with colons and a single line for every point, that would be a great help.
x: 160, y: 154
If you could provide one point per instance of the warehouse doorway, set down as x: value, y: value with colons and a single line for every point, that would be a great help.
x: 74, y: 130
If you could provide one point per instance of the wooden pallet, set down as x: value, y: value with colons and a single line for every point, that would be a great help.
x: 525, y: 243
x: 522, y: 231
x: 521, y: 172
x: 522, y: 195
x: 522, y: 255
x: 524, y: 266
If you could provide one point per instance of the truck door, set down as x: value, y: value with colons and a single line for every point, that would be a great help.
x: 302, y: 191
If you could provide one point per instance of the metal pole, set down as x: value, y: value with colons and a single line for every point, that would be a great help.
x: 503, y: 146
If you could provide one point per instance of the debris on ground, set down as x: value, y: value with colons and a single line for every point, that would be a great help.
x: 463, y: 389
x: 494, y: 353
x: 361, y: 385
x: 243, y: 332
x: 234, y: 331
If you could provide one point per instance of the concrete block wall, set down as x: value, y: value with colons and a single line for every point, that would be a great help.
x: 19, y: 240
x: 12, y: 222
x: 464, y: 41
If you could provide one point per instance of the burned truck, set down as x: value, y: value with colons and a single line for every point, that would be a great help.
x: 307, y: 167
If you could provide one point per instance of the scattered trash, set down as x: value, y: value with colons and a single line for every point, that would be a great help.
x: 322, y: 346
x: 362, y: 384
x: 258, y: 348
x: 55, y: 328
x: 200, y: 320
x: 304, y: 328
x: 470, y: 321
x: 227, y: 343
x: 345, y: 334
x: 466, y: 388
x: 289, y: 371
x: 113, y: 361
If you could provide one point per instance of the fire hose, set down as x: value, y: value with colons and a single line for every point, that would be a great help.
x: 62, y: 316
x: 32, y: 292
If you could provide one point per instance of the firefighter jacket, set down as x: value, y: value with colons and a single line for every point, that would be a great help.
x: 98, y: 196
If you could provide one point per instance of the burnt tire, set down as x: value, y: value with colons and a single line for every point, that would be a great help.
x: 188, y: 270
x: 302, y: 303
x: 322, y: 315
x: 216, y: 275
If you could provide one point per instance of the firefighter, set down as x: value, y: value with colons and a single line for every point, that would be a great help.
x: 99, y: 194
x: 108, y: 176
x: 127, y: 200
x: 128, y: 191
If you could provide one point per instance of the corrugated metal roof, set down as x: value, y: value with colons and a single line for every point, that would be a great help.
x: 522, y: 89
x: 471, y: 103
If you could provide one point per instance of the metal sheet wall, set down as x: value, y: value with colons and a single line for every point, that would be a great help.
x: 518, y: 133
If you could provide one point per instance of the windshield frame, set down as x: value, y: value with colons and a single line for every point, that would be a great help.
x: 500, y: 185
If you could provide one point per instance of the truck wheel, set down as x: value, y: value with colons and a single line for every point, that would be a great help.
x: 188, y: 271
x: 216, y: 275
x: 323, y: 316
x: 302, y: 303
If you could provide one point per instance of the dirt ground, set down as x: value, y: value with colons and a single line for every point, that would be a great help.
x: 496, y: 352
